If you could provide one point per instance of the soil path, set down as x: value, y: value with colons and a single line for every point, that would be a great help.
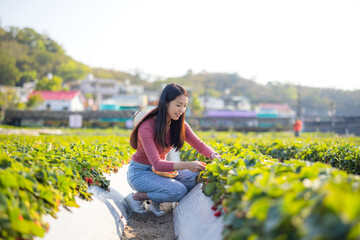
x: 147, y: 226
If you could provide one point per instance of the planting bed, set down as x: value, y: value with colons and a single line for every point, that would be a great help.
x: 264, y: 187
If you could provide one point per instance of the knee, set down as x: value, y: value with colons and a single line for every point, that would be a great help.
x: 178, y: 193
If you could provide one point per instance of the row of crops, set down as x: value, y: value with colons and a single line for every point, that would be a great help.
x: 261, y: 186
x: 265, y: 189
x: 38, y: 174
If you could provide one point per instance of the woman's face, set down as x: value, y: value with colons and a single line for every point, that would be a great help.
x: 176, y: 107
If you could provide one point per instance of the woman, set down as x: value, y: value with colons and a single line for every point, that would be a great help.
x: 155, y: 133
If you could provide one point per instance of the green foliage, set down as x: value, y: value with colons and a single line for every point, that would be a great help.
x: 312, y: 99
x: 112, y: 74
x: 195, y: 106
x: 27, y: 76
x: 9, y: 73
x: 71, y: 70
x: 34, y: 101
x: 53, y: 84
x: 262, y: 198
x: 344, y: 156
x: 40, y: 42
x: 26, y: 55
x: 8, y: 100
x: 38, y: 174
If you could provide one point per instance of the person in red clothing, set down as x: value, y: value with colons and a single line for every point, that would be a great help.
x: 155, y: 133
x: 297, y: 127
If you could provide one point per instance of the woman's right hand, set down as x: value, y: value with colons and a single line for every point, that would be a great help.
x: 196, y: 166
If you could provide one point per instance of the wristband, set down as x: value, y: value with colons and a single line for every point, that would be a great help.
x: 212, y: 155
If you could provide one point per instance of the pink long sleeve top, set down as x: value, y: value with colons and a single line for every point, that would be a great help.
x: 150, y: 152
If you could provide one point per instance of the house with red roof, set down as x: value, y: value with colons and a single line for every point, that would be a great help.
x: 60, y: 100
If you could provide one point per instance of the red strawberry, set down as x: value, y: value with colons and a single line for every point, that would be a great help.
x: 214, y: 208
x: 217, y: 213
x: 90, y: 181
x: 86, y: 179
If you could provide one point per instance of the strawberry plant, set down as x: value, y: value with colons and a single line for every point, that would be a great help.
x: 262, y: 198
x: 38, y: 174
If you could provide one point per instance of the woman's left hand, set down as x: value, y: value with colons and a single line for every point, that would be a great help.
x: 215, y: 155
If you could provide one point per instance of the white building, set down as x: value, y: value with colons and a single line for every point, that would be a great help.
x: 20, y: 94
x: 101, y: 89
x: 107, y: 92
x: 241, y: 103
x: 125, y: 101
x: 226, y: 103
x: 60, y: 100
x: 212, y: 103
x: 131, y: 89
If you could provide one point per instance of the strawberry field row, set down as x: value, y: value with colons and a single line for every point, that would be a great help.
x: 38, y: 174
x: 345, y: 156
x: 339, y: 152
x: 262, y: 198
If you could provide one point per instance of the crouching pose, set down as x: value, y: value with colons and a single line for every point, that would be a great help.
x: 155, y: 133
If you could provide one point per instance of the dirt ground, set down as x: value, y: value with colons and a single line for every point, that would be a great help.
x: 147, y: 226
x: 32, y: 132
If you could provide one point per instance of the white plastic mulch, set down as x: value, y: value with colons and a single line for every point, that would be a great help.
x: 105, y: 217
x: 194, y: 218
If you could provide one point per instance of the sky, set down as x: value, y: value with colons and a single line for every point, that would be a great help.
x: 308, y: 42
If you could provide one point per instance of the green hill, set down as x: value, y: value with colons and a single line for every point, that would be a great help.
x: 26, y: 55
x: 314, y: 101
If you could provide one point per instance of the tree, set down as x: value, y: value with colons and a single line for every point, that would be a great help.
x: 28, y: 76
x: 8, y: 100
x: 34, y: 100
x: 53, y: 84
x: 189, y: 73
x: 196, y: 106
x: 72, y: 70
x: 9, y: 74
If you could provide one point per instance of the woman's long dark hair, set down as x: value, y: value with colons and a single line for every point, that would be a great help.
x: 177, y: 127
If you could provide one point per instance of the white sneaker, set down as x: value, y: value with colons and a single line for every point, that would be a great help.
x: 135, y: 206
x: 155, y: 208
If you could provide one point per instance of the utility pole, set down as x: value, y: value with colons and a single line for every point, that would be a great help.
x: 298, y: 123
x: 332, y: 107
x: 298, y: 107
x: 206, y: 95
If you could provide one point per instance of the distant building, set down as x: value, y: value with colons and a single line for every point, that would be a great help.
x: 61, y: 100
x: 274, y: 114
x: 226, y: 103
x: 241, y: 103
x: 226, y: 119
x: 153, y: 97
x: 111, y: 94
x: 100, y: 89
x: 131, y: 89
x: 125, y: 102
x: 281, y: 110
x: 212, y: 103
x: 21, y: 93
